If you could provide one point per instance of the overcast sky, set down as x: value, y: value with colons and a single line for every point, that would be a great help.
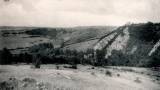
x: 57, y: 13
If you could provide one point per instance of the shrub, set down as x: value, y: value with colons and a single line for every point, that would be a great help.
x: 108, y: 73
x: 118, y: 75
x: 74, y: 66
x: 128, y: 69
x: 10, y: 84
x: 92, y: 73
x: 137, y: 80
x: 57, y: 67
x: 37, y: 65
x: 92, y: 68
x: 29, y: 80
x: 58, y: 73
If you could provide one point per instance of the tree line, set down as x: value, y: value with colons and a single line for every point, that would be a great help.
x: 45, y: 53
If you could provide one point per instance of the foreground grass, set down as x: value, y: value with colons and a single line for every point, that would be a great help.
x: 59, y: 77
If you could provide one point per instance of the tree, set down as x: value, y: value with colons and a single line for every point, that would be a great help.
x: 37, y: 61
x: 27, y: 58
x: 100, y: 57
x: 6, y: 56
x: 118, y: 58
x: 148, y: 31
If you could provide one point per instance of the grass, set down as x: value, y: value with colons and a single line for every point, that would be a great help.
x: 49, y: 78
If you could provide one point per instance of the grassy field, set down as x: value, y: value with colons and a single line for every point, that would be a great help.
x: 59, y: 77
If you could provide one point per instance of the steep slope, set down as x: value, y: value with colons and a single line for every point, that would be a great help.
x: 132, y: 43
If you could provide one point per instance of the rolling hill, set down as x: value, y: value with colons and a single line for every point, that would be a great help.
x: 18, y: 39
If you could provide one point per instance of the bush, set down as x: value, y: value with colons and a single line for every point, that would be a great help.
x: 138, y: 80
x: 10, y: 84
x: 108, y: 73
x: 29, y: 80
x: 37, y: 65
x: 92, y: 73
x: 118, y: 75
x: 57, y: 67
x: 74, y: 66
x: 92, y: 68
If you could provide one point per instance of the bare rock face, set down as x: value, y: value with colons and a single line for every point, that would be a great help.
x: 116, y: 40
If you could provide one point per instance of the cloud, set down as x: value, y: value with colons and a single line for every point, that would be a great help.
x: 77, y: 12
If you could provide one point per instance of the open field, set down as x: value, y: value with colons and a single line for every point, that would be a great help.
x: 56, y: 77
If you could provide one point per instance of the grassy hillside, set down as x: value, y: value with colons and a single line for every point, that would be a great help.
x: 16, y: 38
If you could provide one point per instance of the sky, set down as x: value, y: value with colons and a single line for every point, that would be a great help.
x: 68, y: 13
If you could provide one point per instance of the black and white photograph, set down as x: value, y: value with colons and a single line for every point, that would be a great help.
x: 79, y: 44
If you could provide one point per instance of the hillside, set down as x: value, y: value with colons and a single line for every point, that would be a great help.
x: 19, y: 39
x: 130, y: 43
